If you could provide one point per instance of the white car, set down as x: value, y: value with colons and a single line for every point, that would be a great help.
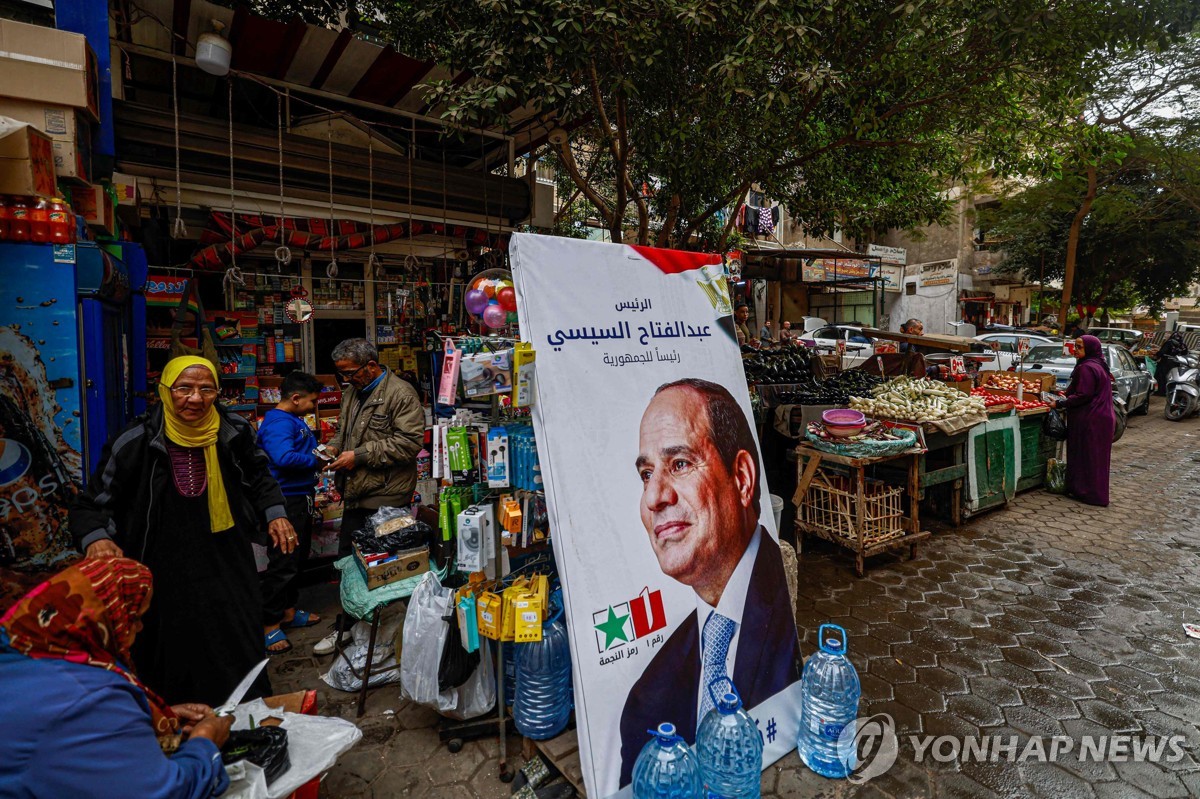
x: 859, y: 347
x: 1007, y: 354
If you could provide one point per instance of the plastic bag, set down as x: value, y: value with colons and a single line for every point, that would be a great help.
x: 1055, y: 425
x: 341, y: 675
x: 457, y: 664
x: 314, y: 745
x: 1056, y: 476
x: 425, y: 631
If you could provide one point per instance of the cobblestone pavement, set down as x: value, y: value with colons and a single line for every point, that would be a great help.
x: 1048, y: 618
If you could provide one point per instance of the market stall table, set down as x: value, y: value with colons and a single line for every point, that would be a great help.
x: 835, y: 520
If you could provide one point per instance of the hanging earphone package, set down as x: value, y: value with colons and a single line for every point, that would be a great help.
x: 471, y: 538
x: 448, y: 389
x: 497, y: 458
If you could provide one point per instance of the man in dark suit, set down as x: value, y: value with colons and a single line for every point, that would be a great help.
x: 698, y: 463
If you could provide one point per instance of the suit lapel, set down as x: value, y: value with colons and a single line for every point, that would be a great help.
x: 757, y: 619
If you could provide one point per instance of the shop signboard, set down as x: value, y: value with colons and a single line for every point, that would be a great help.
x: 845, y: 269
x: 893, y: 277
x: 662, y: 524
x: 937, y: 273
x: 896, y: 256
x: 813, y: 271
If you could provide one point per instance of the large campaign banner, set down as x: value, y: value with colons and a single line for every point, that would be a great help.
x: 661, y: 518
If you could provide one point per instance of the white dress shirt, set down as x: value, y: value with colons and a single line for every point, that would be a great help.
x: 731, y: 606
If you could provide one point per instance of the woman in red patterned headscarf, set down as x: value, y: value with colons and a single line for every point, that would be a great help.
x: 89, y: 726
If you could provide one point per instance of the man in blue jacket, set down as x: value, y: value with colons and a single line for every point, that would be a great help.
x: 291, y: 448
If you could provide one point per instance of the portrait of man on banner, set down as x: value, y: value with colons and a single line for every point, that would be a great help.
x: 699, y: 465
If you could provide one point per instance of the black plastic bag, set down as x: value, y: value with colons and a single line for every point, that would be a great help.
x: 457, y: 664
x: 1055, y: 425
x: 266, y: 747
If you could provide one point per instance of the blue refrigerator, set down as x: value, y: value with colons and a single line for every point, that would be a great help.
x: 68, y: 371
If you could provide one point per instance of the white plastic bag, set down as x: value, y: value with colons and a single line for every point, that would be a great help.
x: 425, y: 631
x: 341, y: 675
x: 477, y: 695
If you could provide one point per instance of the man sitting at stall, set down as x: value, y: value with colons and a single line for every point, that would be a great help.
x: 913, y: 327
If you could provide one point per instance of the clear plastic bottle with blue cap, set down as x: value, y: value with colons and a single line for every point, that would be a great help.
x: 667, y: 768
x: 830, y: 690
x: 729, y: 747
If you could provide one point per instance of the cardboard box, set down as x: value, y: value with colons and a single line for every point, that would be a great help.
x: 68, y: 127
x: 408, y: 563
x: 95, y: 205
x: 1046, y: 380
x: 48, y: 66
x: 26, y: 160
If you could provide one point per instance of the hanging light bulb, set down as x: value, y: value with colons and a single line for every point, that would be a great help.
x: 213, y: 51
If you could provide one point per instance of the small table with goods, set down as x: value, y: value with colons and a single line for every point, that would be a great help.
x: 844, y: 506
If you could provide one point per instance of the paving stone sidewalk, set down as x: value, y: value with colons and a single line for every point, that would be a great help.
x: 1047, y: 618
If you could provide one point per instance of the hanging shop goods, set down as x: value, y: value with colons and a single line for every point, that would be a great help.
x: 491, y: 299
x: 627, y: 558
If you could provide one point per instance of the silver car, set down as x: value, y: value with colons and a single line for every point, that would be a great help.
x: 1133, y: 383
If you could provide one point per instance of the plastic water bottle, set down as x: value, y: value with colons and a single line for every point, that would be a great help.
x: 831, y: 691
x: 543, y: 698
x: 667, y: 768
x: 730, y: 748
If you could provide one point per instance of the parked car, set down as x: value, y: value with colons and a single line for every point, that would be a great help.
x: 1009, y: 345
x: 807, y: 324
x: 1133, y: 383
x: 859, y: 347
x: 1130, y: 339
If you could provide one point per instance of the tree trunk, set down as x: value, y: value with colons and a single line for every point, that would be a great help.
x: 1073, y: 245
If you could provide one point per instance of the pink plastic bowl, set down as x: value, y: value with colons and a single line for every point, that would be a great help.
x: 843, y: 417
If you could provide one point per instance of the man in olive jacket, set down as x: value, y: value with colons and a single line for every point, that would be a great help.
x: 380, y: 432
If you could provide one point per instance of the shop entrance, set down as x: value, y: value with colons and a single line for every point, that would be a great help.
x: 327, y: 334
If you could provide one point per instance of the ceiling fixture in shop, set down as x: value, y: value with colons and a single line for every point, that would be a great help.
x: 213, y: 51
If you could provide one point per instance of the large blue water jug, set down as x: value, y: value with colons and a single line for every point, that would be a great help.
x: 543, y: 699
x: 831, y: 691
x: 729, y: 747
x: 667, y: 768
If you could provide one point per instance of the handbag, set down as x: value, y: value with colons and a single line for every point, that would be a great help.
x: 1055, y: 425
x: 208, y: 348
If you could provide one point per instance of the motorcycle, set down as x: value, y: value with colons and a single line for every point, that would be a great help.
x: 1183, y: 387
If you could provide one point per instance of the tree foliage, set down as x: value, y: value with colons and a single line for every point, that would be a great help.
x: 854, y: 114
x: 1140, y: 243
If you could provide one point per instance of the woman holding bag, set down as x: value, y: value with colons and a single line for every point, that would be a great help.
x: 184, y: 489
x: 1090, y: 423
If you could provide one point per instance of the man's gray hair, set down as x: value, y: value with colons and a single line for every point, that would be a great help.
x: 356, y: 350
x: 910, y: 324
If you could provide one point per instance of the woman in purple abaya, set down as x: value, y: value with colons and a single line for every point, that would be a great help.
x: 1090, y: 423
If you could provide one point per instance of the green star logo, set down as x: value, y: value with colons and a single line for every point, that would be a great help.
x: 613, y: 628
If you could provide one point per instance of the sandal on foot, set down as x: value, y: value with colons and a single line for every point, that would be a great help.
x: 302, y: 619
x: 277, y: 636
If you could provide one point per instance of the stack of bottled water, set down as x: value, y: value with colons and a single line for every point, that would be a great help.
x: 726, y: 764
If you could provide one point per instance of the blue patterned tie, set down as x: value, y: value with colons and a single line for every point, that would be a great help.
x: 714, y: 648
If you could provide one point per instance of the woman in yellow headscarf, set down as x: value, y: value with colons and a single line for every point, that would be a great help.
x: 185, y: 490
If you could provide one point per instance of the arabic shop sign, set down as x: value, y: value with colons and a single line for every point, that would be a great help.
x: 897, y: 256
x: 821, y: 269
x: 936, y: 273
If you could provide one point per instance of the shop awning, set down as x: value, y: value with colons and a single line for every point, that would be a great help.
x: 319, y: 63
